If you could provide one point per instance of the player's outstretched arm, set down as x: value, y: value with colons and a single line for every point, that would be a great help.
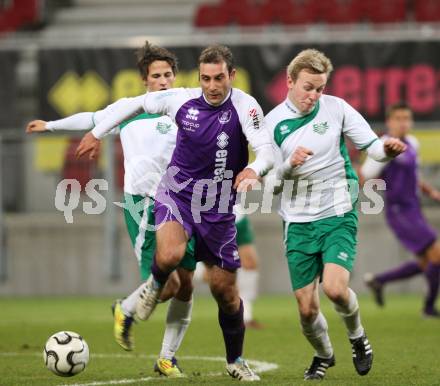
x: 75, y: 122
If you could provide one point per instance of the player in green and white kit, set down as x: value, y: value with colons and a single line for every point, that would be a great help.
x: 144, y: 166
x: 319, y: 192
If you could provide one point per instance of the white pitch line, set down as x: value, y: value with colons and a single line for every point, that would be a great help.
x: 259, y: 366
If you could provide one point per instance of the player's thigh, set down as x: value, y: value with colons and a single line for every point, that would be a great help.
x: 248, y: 256
x: 335, y: 282
x: 171, y: 241
x: 223, y: 282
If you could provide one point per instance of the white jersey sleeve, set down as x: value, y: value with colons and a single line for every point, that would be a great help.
x: 85, y: 120
x: 356, y: 128
x: 371, y: 168
x: 252, y: 122
x: 79, y: 121
x: 124, y: 108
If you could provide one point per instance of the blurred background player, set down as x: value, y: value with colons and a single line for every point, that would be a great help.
x: 144, y: 166
x: 320, y: 219
x: 403, y: 212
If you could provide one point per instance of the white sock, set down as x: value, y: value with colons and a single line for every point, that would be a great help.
x: 128, y: 305
x: 351, y: 316
x: 178, y: 319
x: 317, y: 334
x: 247, y: 311
x: 247, y: 281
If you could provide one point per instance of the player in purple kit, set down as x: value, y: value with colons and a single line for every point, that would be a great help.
x: 196, y: 197
x: 403, y: 212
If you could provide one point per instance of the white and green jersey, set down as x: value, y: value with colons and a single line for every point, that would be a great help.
x: 148, y: 141
x: 321, y: 187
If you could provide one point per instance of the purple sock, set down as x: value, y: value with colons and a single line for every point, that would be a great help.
x: 404, y: 271
x: 160, y: 276
x: 233, y: 332
x: 432, y: 275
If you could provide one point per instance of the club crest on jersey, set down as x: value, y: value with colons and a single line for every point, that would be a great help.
x: 163, y: 128
x: 225, y: 116
x: 255, y: 120
x: 320, y: 128
x: 284, y: 129
x: 192, y: 114
x: 222, y: 140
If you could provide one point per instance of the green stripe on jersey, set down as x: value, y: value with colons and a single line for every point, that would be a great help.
x: 368, y: 144
x: 284, y: 128
x: 140, y: 116
x: 350, y: 173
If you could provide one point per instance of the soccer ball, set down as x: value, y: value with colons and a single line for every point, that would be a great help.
x: 66, y: 353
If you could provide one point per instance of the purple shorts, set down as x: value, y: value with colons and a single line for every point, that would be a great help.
x: 215, y: 233
x: 411, y: 228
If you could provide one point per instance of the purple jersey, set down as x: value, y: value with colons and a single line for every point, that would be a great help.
x: 211, y: 144
x: 403, y: 211
x: 400, y: 175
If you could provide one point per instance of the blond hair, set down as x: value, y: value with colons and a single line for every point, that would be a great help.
x: 311, y: 60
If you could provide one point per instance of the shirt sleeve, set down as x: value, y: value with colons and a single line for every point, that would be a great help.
x: 257, y: 135
x: 371, y: 168
x: 80, y: 121
x: 356, y: 128
x: 123, y: 109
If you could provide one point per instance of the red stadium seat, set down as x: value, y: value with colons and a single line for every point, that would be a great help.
x: 427, y: 10
x: 341, y: 11
x: 302, y: 12
x: 210, y: 15
x: 389, y: 11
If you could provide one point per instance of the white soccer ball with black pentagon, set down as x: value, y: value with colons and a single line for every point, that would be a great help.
x: 66, y: 353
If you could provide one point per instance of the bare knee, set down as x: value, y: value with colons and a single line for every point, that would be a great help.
x: 336, y: 292
x: 308, y: 312
x: 169, y: 257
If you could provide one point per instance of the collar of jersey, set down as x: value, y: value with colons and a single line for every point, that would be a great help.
x: 290, y: 125
x: 224, y: 100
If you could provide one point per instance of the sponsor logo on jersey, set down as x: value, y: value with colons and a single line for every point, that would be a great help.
x: 220, y: 165
x: 163, y: 128
x: 225, y: 116
x: 189, y: 126
x: 192, y: 114
x: 320, y: 128
x: 235, y: 255
x: 255, y: 119
x: 222, y: 140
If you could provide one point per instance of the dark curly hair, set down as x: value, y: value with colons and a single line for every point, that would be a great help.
x: 149, y: 53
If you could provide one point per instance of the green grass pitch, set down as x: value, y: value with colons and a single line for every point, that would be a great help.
x: 406, y: 346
